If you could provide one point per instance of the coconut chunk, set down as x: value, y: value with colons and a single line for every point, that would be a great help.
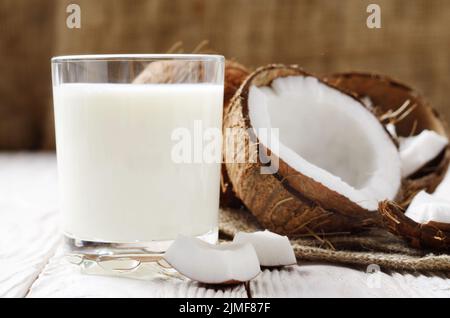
x: 416, y: 151
x: 426, y: 207
x: 434, y: 207
x: 328, y: 136
x: 273, y: 250
x: 228, y: 263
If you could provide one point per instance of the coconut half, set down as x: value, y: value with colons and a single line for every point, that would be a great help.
x: 328, y: 136
x: 273, y: 250
x: 406, y: 113
x: 213, y: 264
x: 336, y: 160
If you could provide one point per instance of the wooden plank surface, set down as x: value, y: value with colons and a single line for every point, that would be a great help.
x: 28, y: 219
x: 318, y: 280
x: 32, y: 261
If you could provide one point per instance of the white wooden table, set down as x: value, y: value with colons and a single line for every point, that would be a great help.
x: 32, y: 262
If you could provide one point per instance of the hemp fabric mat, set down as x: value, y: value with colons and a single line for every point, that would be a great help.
x: 375, y: 246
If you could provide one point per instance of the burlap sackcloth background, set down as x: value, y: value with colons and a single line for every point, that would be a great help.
x: 375, y: 246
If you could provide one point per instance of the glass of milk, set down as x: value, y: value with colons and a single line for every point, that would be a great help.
x: 138, y: 149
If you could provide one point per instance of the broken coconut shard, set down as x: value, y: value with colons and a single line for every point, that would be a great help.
x: 427, y: 207
x: 273, y: 250
x: 435, y: 207
x: 329, y: 188
x: 426, y: 222
x: 227, y: 263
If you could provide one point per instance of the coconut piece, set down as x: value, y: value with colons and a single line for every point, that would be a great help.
x: 435, y: 235
x: 410, y: 114
x: 273, y: 250
x: 417, y: 151
x: 331, y: 170
x: 426, y: 207
x: 426, y: 222
x: 213, y: 264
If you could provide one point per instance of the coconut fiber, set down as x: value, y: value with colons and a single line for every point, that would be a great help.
x: 374, y: 246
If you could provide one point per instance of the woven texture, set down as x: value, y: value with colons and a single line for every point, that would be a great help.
x: 376, y: 246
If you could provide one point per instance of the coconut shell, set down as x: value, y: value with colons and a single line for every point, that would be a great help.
x: 432, y: 235
x: 387, y: 95
x: 235, y: 74
x: 286, y: 202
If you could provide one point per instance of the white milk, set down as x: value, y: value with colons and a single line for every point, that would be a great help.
x: 117, y: 180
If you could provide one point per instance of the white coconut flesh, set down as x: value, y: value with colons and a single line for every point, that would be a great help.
x: 427, y: 207
x: 213, y: 264
x: 327, y: 136
x: 417, y: 151
x: 443, y: 189
x: 272, y: 249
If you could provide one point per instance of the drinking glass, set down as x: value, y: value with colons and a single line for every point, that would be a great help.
x: 134, y: 150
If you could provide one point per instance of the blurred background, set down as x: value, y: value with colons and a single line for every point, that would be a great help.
x: 322, y: 36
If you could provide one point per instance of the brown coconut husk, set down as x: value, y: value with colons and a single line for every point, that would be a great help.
x: 285, y: 202
x: 434, y: 235
x: 235, y: 74
x: 415, y: 115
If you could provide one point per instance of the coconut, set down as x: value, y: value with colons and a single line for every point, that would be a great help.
x: 335, y: 159
x: 407, y: 113
x: 228, y: 263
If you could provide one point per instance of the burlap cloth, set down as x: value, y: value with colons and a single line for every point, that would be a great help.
x: 376, y: 246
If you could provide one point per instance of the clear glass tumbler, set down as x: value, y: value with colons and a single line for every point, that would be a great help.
x: 136, y: 161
